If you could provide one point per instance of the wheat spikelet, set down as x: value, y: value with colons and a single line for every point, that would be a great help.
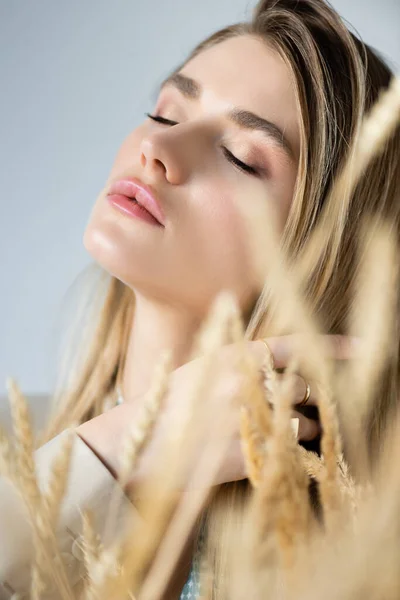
x: 345, y: 563
x: 26, y: 480
x: 57, y: 482
x: 38, y: 581
x: 252, y: 447
x: 312, y: 464
x: 7, y: 458
x: 142, y: 540
x: 45, y: 544
x: 255, y: 419
x: 350, y: 490
x: 189, y: 508
x: 255, y: 429
x: 136, y: 439
x: 295, y: 515
x: 315, y: 468
x: 280, y: 513
x: 24, y: 443
x: 104, y: 573
x: 331, y: 449
x: 255, y: 416
x: 91, y: 543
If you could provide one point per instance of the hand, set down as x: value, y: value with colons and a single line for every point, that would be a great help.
x: 224, y: 391
x: 104, y: 433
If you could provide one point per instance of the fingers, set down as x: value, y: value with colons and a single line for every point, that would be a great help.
x: 343, y: 347
x: 308, y: 429
x: 299, y: 389
x: 337, y: 347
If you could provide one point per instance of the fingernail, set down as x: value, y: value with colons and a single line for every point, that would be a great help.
x: 269, y: 385
x: 295, y: 426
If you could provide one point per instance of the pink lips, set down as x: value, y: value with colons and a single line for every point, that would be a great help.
x: 132, y: 187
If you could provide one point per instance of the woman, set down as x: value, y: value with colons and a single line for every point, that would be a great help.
x: 259, y: 112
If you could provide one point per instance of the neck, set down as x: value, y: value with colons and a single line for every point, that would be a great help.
x: 155, y: 327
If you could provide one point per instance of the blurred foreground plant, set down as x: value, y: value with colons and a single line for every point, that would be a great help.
x: 347, y: 545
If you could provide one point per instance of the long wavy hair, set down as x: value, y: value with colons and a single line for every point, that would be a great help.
x: 337, y: 78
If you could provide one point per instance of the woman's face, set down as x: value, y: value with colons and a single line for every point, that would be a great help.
x: 210, y: 205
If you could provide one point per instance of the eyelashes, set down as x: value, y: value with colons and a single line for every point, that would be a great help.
x: 229, y: 156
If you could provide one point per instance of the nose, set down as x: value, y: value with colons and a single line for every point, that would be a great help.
x: 176, y: 152
x: 161, y: 158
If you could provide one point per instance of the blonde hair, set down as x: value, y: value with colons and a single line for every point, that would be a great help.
x: 337, y: 79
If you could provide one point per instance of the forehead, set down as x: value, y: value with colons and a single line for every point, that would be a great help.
x: 247, y: 72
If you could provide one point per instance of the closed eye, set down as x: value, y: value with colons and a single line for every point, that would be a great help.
x: 230, y: 157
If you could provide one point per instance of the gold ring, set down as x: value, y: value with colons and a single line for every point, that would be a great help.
x: 307, y: 394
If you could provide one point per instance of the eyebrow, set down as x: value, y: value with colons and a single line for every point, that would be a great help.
x: 192, y: 89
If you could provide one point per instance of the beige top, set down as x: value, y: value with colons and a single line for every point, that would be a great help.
x: 93, y: 492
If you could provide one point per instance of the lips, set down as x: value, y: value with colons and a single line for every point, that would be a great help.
x: 133, y: 188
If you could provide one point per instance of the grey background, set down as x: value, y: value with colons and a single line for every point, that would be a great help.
x: 76, y: 77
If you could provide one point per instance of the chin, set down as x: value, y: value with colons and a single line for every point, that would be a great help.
x: 104, y: 251
x: 113, y: 256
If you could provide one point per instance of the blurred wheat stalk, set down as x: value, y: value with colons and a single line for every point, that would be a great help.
x: 352, y: 552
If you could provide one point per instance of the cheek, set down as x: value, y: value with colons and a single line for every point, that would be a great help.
x: 282, y: 190
x: 232, y: 226
x: 221, y: 215
x: 240, y: 220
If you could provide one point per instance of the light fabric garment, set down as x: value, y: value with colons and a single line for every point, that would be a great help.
x: 191, y: 590
x: 90, y: 486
